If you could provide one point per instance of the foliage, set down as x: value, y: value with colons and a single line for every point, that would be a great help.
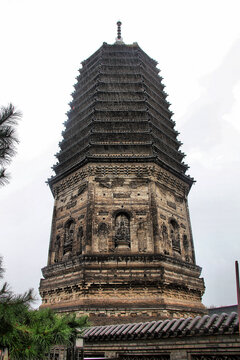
x: 29, y: 334
x: 8, y: 139
x: 1, y: 268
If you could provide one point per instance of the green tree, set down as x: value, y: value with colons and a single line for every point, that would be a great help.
x: 8, y: 139
x: 29, y: 334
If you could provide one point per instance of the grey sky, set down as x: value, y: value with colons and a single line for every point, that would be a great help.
x: 197, y: 45
x: 211, y: 136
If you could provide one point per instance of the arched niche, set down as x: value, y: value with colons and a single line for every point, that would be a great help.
x: 122, y: 230
x: 68, y: 236
x: 174, y: 235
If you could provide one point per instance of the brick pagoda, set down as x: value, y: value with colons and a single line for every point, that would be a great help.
x: 121, y: 244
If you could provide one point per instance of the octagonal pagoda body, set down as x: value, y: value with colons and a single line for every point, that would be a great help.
x: 121, y: 243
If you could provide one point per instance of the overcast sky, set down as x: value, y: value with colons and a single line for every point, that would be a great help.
x: 197, y: 46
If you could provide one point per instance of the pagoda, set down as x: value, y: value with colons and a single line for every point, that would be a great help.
x: 121, y: 243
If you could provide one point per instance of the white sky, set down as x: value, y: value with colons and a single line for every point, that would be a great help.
x: 197, y: 45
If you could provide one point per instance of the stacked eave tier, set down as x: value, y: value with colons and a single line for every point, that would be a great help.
x: 119, y: 112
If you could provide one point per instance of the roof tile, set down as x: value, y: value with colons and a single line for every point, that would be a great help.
x: 205, y: 325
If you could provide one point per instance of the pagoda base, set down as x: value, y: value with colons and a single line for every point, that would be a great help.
x: 153, y: 287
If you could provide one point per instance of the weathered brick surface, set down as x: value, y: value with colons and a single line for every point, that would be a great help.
x: 179, y: 355
x: 225, y: 345
x: 143, y: 271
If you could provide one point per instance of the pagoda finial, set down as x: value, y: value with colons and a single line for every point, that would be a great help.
x: 119, y: 39
x: 119, y: 24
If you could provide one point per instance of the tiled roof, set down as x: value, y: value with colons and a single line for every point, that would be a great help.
x: 119, y: 112
x: 215, y: 324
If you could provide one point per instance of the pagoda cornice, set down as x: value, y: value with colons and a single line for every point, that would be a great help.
x: 70, y: 166
x: 105, y: 158
x: 139, y: 120
x: 157, y: 93
x: 90, y: 134
x: 147, y: 64
x: 125, y: 75
x: 121, y: 143
x: 91, y: 131
x: 148, y: 84
x: 181, y: 175
x: 79, y: 171
x: 152, y: 76
x: 67, y: 154
x: 85, y: 75
x: 93, y: 57
x: 167, y: 121
x: 139, y: 82
x: 121, y: 60
x: 160, y: 132
x: 156, y: 105
x: 156, y: 80
x: 88, y: 67
x: 77, y: 262
x: 120, y: 107
x: 81, y: 105
x: 116, y: 66
x: 77, y: 97
x: 73, y: 114
x: 171, y: 131
x: 68, y: 142
x: 168, y: 149
x: 71, y: 126
x: 107, y: 101
x: 121, y: 158
x: 120, y: 111
x: 132, y: 92
x: 119, y: 131
x: 120, y: 51
x: 156, y: 98
x: 80, y: 86
x: 147, y: 57
x: 168, y: 160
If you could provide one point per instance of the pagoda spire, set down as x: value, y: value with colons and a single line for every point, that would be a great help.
x: 119, y: 39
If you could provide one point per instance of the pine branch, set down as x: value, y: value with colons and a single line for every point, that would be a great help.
x: 9, y: 116
x: 4, y: 177
x: 8, y: 139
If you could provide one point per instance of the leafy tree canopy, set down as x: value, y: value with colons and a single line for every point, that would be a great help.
x: 29, y: 334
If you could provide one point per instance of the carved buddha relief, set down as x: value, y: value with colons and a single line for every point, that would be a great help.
x: 165, y: 239
x: 68, y: 239
x: 175, y: 236
x: 122, y: 230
